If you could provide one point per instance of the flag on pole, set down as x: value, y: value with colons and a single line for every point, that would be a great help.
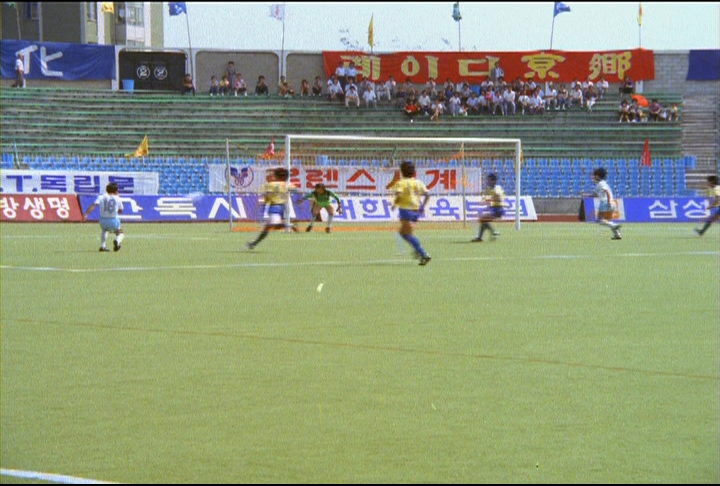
x: 142, y: 151
x: 560, y: 7
x: 277, y: 11
x: 371, y: 32
x: 108, y: 7
x: 11, y: 5
x: 456, y: 12
x: 177, y: 8
x: 270, y: 151
x: 645, y: 159
x: 640, y: 14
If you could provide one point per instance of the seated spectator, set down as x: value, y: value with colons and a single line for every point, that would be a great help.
x: 224, y: 85
x: 624, y: 112
x: 351, y: 95
x: 285, y: 88
x: 431, y: 87
x: 369, y: 96
x: 602, y: 86
x: 673, y: 114
x: 231, y: 72
x: 304, y: 88
x: 654, y: 110
x: 438, y: 108
x: 340, y: 74
x: 351, y: 74
x: 576, y: 96
x: 335, y: 90
x: 508, y: 100
x: 239, y: 86
x: 214, y: 86
x: 401, y: 94
x: 382, y: 92
x: 187, y: 85
x: 590, y: 96
x: 636, y: 112
x: 454, y: 103
x: 497, y: 101
x: 448, y: 88
x: 317, y: 87
x: 627, y: 86
x: 473, y: 105
x: 561, y: 98
x: 425, y: 102
x: 465, y: 92
x: 536, y: 104
x: 261, y: 88
x: 524, y: 102
x: 550, y: 97
x: 411, y: 109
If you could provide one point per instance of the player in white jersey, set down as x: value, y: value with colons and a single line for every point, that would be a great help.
x: 110, y: 208
x: 606, y: 206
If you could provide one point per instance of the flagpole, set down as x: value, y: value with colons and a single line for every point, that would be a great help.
x: 192, y: 68
x: 459, y: 44
x: 282, y: 47
x: 552, y: 30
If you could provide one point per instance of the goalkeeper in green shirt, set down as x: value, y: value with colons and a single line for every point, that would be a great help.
x: 321, y: 197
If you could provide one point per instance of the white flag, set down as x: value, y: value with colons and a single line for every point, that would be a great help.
x: 277, y: 11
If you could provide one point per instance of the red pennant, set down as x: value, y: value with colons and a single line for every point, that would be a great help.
x: 645, y: 160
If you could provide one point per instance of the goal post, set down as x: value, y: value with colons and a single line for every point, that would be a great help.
x: 452, y: 165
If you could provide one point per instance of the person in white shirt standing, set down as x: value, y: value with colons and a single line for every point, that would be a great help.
x: 19, y: 71
x: 111, y: 207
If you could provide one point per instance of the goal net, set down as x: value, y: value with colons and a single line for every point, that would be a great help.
x: 363, y: 169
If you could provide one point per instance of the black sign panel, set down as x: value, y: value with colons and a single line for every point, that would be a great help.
x: 153, y: 70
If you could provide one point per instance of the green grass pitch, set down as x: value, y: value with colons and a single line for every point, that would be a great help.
x: 552, y: 355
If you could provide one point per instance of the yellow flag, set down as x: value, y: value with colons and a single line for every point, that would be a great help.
x: 142, y: 151
x: 371, y: 32
x: 108, y: 7
x: 640, y: 15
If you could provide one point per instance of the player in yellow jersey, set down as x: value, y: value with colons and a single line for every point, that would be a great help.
x: 275, y: 197
x: 495, y: 196
x: 713, y: 193
x: 408, y: 191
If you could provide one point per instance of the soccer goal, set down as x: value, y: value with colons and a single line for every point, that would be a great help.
x: 363, y: 167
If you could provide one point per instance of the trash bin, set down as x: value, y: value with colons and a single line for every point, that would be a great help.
x: 128, y: 85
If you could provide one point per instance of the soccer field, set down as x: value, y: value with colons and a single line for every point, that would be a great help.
x: 552, y: 355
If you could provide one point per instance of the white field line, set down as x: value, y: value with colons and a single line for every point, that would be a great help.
x: 345, y: 263
x: 51, y: 478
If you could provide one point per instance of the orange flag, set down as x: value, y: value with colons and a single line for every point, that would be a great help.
x: 645, y: 159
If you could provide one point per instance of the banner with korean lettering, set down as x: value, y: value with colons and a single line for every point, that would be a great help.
x: 77, y: 182
x: 474, y: 67
x: 36, y: 208
x: 655, y: 209
x: 347, y: 179
x: 356, y: 209
x: 59, y: 60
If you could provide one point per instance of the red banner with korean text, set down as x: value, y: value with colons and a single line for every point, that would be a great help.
x: 39, y: 208
x: 475, y: 67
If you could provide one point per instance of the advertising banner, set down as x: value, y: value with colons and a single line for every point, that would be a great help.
x: 356, y: 209
x: 475, y: 66
x: 77, y: 182
x: 24, y: 208
x: 346, y: 179
x: 654, y: 209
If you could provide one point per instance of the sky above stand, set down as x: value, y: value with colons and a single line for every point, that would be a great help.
x: 485, y: 26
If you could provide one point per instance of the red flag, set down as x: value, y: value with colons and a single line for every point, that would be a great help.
x: 645, y: 160
x: 270, y: 151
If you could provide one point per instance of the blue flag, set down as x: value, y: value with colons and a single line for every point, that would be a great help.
x: 456, y: 12
x: 177, y: 8
x: 560, y: 8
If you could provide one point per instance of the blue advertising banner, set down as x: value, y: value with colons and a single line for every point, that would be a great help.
x: 654, y: 209
x: 704, y: 65
x: 76, y: 182
x: 246, y: 207
x: 59, y: 60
